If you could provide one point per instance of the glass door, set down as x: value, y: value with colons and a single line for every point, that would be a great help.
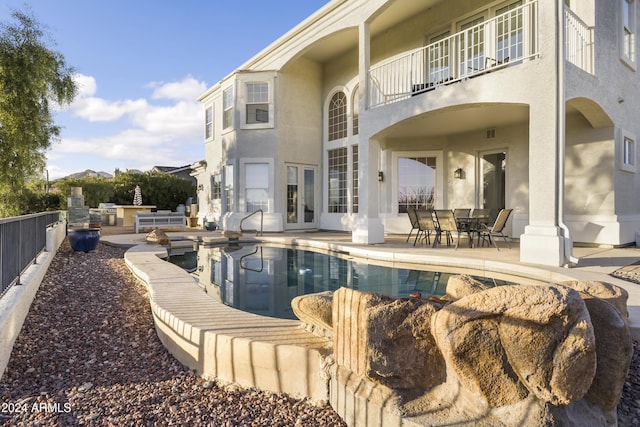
x: 492, y: 169
x: 301, y: 201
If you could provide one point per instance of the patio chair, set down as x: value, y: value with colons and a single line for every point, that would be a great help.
x: 446, y: 223
x: 462, y: 213
x: 463, y: 218
x: 490, y: 233
x: 426, y: 225
x: 479, y: 219
x: 413, y: 218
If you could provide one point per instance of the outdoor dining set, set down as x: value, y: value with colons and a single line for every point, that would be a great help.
x: 435, y: 223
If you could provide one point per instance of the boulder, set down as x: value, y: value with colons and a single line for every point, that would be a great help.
x: 613, y: 294
x: 386, y: 340
x: 315, y: 310
x: 460, y: 286
x: 158, y: 236
x: 509, y: 341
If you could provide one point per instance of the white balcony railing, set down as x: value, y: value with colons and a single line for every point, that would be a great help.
x: 578, y: 41
x: 504, y: 40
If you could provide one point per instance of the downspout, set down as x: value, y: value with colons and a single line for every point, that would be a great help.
x: 568, y: 258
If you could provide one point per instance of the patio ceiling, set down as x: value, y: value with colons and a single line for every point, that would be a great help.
x: 456, y: 120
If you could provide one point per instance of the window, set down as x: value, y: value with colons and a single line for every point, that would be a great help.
x: 472, y: 46
x: 439, y: 58
x: 256, y: 178
x: 628, y: 152
x: 354, y: 178
x: 510, y: 43
x: 216, y: 187
x: 356, y: 111
x: 337, y: 180
x: 228, y: 186
x: 338, y: 116
x: 227, y: 106
x: 257, y: 103
x: 628, y: 36
x: 208, y: 123
x: 416, y: 183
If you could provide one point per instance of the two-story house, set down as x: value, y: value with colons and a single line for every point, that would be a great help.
x: 369, y: 107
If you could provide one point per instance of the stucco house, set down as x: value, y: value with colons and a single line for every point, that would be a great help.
x: 368, y: 107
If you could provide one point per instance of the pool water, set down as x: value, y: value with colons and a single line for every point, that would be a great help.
x: 263, y: 279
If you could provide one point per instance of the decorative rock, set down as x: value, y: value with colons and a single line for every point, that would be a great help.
x: 386, y: 340
x: 614, y: 350
x: 539, y: 336
x: 614, y: 295
x: 462, y: 285
x: 158, y: 236
x: 315, y: 310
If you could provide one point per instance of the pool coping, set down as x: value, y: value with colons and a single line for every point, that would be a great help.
x: 275, y: 355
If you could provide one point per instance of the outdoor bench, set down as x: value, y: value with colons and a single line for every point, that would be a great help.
x: 160, y: 219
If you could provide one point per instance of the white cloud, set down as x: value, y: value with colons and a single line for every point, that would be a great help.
x: 143, y: 135
x: 187, y: 89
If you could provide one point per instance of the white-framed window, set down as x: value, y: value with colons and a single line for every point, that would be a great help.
x: 227, y: 108
x: 628, y: 152
x: 228, y: 187
x: 337, y: 176
x: 355, y: 107
x: 208, y: 122
x: 256, y: 179
x: 355, y: 180
x: 257, y: 108
x: 628, y: 30
x: 337, y: 116
x: 418, y: 180
x: 216, y: 186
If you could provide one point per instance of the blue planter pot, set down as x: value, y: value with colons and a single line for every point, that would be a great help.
x: 84, y: 239
x: 210, y: 226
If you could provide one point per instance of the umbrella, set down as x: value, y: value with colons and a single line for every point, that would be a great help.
x: 137, y: 196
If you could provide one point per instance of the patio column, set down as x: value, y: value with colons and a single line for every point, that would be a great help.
x: 367, y: 227
x: 545, y: 241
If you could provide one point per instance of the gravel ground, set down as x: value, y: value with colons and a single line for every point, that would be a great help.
x: 88, y: 355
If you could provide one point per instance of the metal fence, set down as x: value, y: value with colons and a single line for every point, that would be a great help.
x: 22, y: 239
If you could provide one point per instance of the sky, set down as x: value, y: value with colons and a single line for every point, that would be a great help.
x: 140, y: 66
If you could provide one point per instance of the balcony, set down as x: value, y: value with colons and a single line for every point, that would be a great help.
x: 505, y: 40
x: 578, y: 41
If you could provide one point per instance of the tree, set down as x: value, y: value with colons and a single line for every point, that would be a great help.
x: 32, y: 76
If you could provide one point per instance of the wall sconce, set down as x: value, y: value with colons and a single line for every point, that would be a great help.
x: 200, y: 187
x: 458, y: 173
x: 380, y: 176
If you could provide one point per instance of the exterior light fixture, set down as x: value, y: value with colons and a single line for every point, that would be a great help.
x: 380, y: 176
x: 458, y: 173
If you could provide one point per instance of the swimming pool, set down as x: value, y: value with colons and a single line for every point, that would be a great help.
x: 264, y: 278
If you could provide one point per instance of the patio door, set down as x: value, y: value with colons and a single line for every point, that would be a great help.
x: 301, y: 200
x: 492, y: 181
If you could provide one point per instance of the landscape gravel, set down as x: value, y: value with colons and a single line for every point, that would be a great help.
x: 88, y: 354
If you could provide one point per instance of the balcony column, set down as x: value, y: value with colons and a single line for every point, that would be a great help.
x: 367, y: 227
x: 546, y: 240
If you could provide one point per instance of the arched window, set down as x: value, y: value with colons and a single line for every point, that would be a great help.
x: 356, y: 110
x: 338, y: 116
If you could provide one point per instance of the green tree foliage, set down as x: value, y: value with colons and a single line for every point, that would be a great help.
x: 32, y: 77
x: 95, y: 190
x: 163, y: 190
